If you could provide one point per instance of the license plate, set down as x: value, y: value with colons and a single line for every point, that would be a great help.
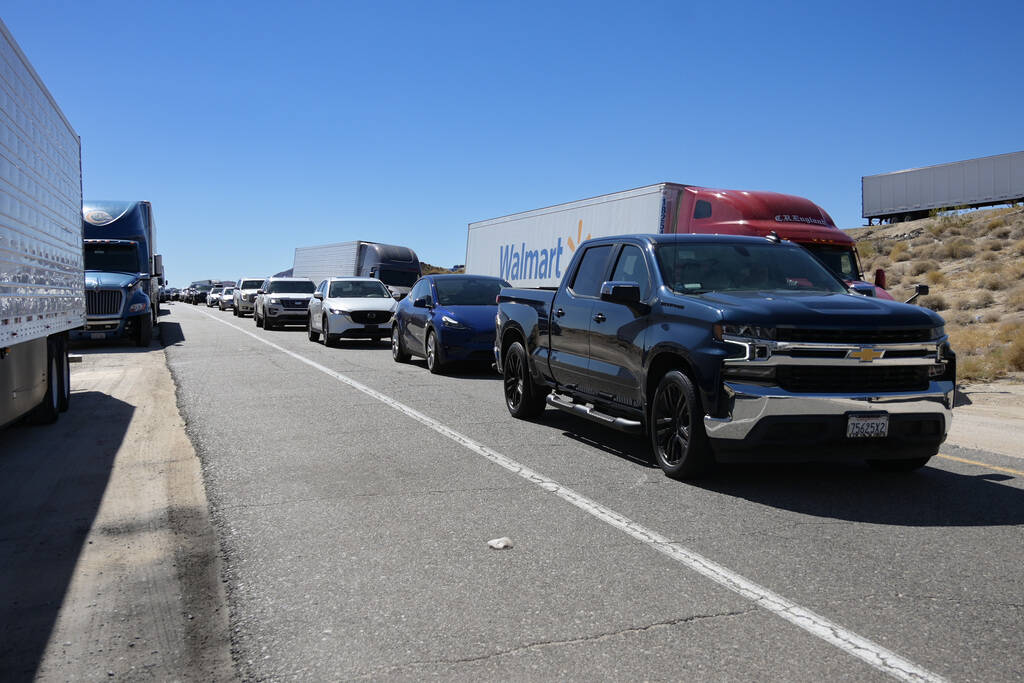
x: 372, y: 326
x: 867, y: 426
x: 98, y: 335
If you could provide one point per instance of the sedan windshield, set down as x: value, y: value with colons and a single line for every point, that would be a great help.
x: 291, y: 287
x: 468, y: 291
x: 112, y: 258
x: 358, y: 289
x: 698, y: 268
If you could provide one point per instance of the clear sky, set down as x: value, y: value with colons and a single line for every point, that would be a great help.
x: 255, y: 127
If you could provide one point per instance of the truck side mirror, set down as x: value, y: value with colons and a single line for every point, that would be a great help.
x: 621, y: 292
x: 919, y: 290
x: 880, y: 278
x: 318, y: 295
x: 862, y: 288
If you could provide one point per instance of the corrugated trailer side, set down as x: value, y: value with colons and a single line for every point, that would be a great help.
x: 326, y: 260
x: 973, y: 183
x: 42, y: 279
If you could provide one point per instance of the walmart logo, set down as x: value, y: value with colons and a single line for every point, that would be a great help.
x: 522, y: 262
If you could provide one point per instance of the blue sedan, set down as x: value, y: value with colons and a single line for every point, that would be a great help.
x: 447, y: 318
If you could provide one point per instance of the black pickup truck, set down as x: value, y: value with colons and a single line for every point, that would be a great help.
x: 731, y: 349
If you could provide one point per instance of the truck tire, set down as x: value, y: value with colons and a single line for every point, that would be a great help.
x: 64, y: 395
x: 899, y: 465
x: 313, y: 335
x: 433, y: 353
x: 523, y: 397
x: 398, y: 351
x: 256, y: 318
x: 676, y: 426
x: 48, y: 410
x: 143, y: 331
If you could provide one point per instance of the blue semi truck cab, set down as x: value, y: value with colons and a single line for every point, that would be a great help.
x: 122, y: 273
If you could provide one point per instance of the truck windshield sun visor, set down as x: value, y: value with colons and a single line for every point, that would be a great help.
x: 695, y: 268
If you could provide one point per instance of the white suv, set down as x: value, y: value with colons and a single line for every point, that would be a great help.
x: 350, y: 308
x: 282, y: 301
x: 245, y: 294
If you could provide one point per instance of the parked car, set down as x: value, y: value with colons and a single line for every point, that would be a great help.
x: 213, y: 298
x: 244, y: 297
x: 283, y: 301
x: 350, y: 308
x: 226, y: 298
x: 447, y: 318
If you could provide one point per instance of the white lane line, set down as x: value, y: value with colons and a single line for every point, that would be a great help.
x: 874, y: 654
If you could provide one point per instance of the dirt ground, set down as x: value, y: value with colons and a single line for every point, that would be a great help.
x: 113, y: 567
x: 990, y: 417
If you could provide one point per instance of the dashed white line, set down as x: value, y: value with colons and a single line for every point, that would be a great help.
x: 866, y: 650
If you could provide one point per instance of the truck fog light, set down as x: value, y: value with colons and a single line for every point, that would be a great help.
x: 758, y: 374
x: 936, y: 370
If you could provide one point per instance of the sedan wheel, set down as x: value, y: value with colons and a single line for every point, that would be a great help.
x: 397, y: 349
x: 313, y: 334
x: 433, y: 360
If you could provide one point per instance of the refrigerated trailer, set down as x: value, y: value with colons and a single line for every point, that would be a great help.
x: 42, y: 280
x: 914, y: 193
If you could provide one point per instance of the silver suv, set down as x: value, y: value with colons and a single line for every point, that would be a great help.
x: 245, y: 295
x: 283, y: 301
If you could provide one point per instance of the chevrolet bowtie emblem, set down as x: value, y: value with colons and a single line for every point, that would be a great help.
x: 866, y: 354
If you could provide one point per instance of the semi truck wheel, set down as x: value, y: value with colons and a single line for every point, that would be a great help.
x: 523, y: 398
x: 64, y: 395
x: 48, y: 410
x: 676, y: 427
x: 143, y: 331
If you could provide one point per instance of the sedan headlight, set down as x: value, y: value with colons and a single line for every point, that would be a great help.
x: 452, y: 323
x: 337, y: 311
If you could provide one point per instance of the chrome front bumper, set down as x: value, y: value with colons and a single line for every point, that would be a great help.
x: 750, y: 404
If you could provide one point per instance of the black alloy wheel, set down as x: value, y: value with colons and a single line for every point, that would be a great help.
x: 678, y: 439
x: 523, y: 398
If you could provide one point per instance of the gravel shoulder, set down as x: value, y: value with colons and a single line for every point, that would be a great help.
x: 113, y: 567
x: 989, y: 417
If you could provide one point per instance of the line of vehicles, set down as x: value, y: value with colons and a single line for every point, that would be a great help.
x: 719, y: 324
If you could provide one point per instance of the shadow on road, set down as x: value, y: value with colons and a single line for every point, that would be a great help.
x: 171, y: 334
x: 52, y: 480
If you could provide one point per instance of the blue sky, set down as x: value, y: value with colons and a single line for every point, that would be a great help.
x: 255, y: 127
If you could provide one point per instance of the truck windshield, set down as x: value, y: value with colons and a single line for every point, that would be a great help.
x: 840, y: 260
x: 123, y: 258
x: 291, y: 287
x: 468, y: 291
x: 698, y: 268
x: 356, y: 289
x: 398, y: 278
x: 251, y: 284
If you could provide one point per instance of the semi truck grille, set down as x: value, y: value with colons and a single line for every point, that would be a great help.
x: 103, y: 302
x: 827, y: 379
x: 365, y: 317
x: 853, y: 336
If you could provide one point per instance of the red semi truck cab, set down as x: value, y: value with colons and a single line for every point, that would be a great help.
x: 799, y: 220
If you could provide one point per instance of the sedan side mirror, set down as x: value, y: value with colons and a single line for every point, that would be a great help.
x: 397, y: 296
x: 621, y: 292
x: 422, y: 302
x: 318, y: 295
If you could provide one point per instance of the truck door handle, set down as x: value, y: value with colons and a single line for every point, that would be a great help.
x: 599, y: 318
x: 560, y: 312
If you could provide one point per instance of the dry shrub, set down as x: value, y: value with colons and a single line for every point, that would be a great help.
x: 992, y: 245
x: 1001, y: 233
x: 993, y: 282
x: 1010, y: 332
x: 935, y: 277
x: 1018, y: 248
x: 927, y: 251
x: 988, y: 256
x: 921, y: 267
x: 892, y: 278
x: 997, y: 222
x: 978, y: 368
x: 899, y: 252
x: 958, y: 248
x: 936, y: 302
x: 1015, y: 354
x: 984, y: 299
x: 1015, y: 299
x: 962, y: 303
x: 866, y: 249
x: 991, y: 317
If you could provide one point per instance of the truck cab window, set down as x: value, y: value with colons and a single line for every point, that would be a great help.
x: 702, y: 210
x: 633, y: 268
x: 590, y: 274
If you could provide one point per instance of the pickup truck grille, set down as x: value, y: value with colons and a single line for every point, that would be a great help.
x: 364, y: 317
x: 103, y: 302
x: 853, y: 336
x: 295, y: 303
x: 838, y: 379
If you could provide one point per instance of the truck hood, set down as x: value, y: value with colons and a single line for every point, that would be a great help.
x: 776, y: 309
x: 95, y: 279
x: 477, y: 317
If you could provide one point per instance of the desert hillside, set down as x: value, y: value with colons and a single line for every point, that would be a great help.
x: 974, y: 264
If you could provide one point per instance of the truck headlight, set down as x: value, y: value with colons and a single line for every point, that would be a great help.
x: 452, y: 323
x: 938, y: 332
x: 135, y: 308
x: 275, y: 300
x: 743, y: 331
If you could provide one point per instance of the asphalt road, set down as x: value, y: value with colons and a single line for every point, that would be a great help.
x: 354, y: 498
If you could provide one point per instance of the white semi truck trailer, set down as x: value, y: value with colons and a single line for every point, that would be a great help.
x: 42, y: 279
x: 913, y: 193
